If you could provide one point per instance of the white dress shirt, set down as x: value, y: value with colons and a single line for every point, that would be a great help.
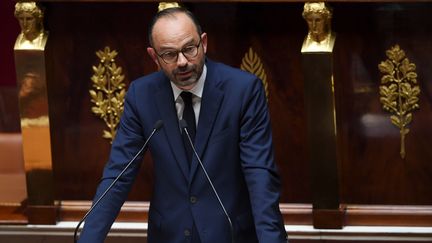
x: 197, y: 91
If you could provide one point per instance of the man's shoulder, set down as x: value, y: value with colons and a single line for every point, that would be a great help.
x: 228, y: 76
x: 227, y: 70
x: 150, y: 80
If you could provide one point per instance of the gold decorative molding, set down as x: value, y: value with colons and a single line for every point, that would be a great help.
x: 109, y: 91
x: 252, y: 63
x: 399, y: 94
x: 165, y: 5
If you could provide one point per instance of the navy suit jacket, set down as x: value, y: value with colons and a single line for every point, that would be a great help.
x: 234, y: 141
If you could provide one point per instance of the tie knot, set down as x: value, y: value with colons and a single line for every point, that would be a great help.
x: 187, y: 97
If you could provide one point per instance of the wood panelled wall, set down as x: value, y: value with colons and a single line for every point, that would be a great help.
x: 370, y: 168
x: 79, y: 150
x: 372, y: 171
x: 9, y: 28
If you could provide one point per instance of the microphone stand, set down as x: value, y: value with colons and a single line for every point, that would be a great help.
x: 157, y: 126
x: 183, y: 125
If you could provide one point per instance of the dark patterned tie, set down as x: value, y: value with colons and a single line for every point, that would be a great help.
x: 189, y: 117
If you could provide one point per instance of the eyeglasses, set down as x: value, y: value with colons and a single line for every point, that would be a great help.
x: 189, y: 52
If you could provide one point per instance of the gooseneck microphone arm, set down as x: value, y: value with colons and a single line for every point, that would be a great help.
x: 156, y: 127
x: 183, y: 125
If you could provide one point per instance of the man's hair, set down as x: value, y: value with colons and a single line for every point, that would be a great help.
x: 170, y: 12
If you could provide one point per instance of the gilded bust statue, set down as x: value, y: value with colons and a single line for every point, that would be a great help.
x: 318, y: 18
x: 30, y: 17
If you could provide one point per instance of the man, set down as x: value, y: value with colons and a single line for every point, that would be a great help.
x: 233, y: 139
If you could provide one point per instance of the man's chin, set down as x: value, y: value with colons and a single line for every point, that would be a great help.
x: 186, y: 85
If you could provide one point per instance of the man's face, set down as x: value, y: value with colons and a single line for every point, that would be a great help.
x: 175, y: 33
x: 28, y: 24
x: 317, y: 26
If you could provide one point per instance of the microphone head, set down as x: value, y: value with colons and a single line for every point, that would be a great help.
x: 183, y: 124
x: 158, y: 125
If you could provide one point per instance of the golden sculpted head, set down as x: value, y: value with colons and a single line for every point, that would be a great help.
x: 318, y: 16
x: 30, y: 17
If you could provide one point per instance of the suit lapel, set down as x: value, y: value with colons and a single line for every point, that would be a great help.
x: 166, y: 106
x: 210, y: 104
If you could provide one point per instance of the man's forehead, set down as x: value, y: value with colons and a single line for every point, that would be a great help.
x: 173, y: 25
x: 173, y: 18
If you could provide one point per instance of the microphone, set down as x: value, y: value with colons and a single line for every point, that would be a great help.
x: 183, y: 125
x: 156, y: 127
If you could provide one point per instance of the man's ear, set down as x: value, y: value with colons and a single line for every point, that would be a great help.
x: 153, y: 55
x: 204, y: 41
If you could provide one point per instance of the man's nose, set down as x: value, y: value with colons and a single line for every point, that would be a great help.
x: 181, y: 60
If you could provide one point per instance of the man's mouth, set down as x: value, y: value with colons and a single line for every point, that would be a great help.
x: 182, y: 74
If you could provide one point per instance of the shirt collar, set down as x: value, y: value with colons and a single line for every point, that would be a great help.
x: 197, y: 90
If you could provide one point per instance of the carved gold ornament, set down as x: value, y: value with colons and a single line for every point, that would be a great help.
x: 165, y: 5
x: 109, y: 92
x: 399, y: 92
x: 252, y: 63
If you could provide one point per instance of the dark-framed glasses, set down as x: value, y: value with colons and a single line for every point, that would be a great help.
x: 188, y: 52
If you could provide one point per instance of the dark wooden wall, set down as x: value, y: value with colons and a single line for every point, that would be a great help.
x: 9, y: 29
x: 370, y: 169
x: 80, y: 152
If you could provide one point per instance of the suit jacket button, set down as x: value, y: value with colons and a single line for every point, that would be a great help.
x: 187, y: 232
x: 193, y: 199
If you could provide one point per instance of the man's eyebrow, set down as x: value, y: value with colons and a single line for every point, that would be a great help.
x: 167, y: 49
x: 170, y: 48
x: 190, y: 42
